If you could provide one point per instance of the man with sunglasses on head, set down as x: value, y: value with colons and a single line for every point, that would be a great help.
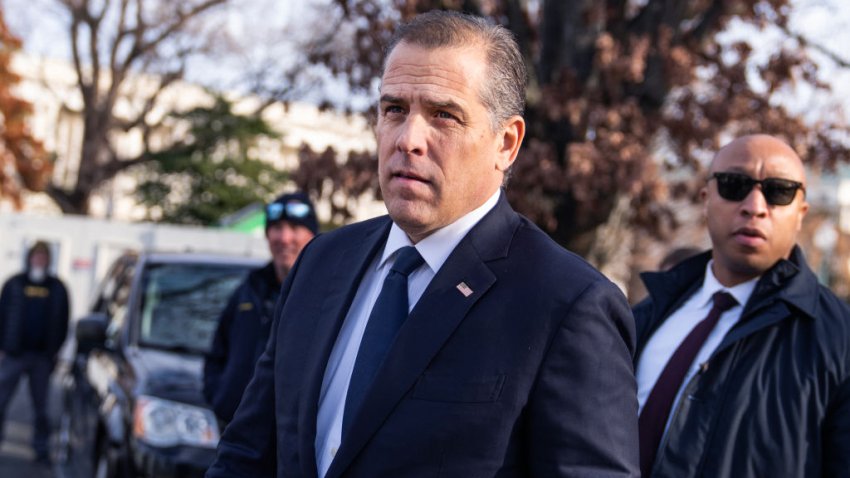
x: 244, y: 325
x: 743, y: 358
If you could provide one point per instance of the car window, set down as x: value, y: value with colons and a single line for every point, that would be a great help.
x: 181, y: 304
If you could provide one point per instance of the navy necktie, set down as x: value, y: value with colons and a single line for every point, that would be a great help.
x: 388, y: 313
x: 653, y: 416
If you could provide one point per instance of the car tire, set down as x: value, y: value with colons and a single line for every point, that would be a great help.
x: 108, y: 463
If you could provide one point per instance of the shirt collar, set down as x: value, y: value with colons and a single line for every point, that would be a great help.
x: 437, y: 247
x: 710, y: 285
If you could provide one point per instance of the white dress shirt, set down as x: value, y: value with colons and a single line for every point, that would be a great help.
x: 435, y: 249
x: 673, y: 331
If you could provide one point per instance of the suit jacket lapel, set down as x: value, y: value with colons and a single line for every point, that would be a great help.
x: 339, y: 294
x: 432, y: 321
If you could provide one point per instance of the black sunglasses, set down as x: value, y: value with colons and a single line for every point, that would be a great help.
x: 776, y: 191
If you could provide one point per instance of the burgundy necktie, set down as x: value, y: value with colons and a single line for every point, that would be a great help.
x: 653, y: 417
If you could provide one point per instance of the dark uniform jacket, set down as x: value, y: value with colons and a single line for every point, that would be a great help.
x: 773, y: 400
x: 241, y: 336
x: 33, y: 316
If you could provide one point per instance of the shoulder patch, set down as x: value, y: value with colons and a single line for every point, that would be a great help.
x: 245, y: 306
x: 36, y: 291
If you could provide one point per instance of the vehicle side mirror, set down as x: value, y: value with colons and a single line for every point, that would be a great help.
x: 90, y: 332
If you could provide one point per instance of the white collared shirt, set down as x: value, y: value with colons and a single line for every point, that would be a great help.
x: 673, y: 331
x: 435, y: 249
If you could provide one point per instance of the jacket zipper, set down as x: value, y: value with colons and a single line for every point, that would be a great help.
x: 686, y: 395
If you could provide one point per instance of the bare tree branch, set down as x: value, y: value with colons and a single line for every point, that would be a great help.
x: 93, y: 23
x: 179, y: 23
x: 85, y: 88
x: 125, y: 24
x: 808, y: 43
x: 121, y: 33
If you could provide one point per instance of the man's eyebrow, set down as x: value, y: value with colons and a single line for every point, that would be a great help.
x: 391, y: 99
x: 448, y: 105
x: 443, y: 104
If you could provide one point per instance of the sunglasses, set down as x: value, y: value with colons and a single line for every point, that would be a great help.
x: 776, y: 191
x: 295, y: 210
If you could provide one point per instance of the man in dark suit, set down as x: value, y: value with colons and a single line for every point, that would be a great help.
x: 743, y: 363
x: 452, y: 338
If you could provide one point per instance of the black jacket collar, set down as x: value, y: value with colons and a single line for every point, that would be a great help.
x: 789, y: 285
x: 789, y: 280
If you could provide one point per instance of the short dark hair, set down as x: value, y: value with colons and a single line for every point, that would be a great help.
x: 504, y: 92
x: 39, y: 247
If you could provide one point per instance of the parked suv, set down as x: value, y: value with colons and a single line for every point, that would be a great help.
x: 132, y: 401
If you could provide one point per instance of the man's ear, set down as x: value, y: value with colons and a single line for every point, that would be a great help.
x: 804, y: 208
x: 510, y: 139
x: 703, y: 196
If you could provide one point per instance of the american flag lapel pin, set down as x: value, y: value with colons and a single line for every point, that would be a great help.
x: 464, y: 289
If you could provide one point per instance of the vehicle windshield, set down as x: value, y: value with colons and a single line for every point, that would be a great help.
x: 181, y: 304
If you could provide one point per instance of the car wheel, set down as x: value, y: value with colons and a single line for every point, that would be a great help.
x: 108, y: 464
x: 102, y: 468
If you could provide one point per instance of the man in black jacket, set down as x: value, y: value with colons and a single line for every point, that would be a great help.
x: 33, y: 325
x: 743, y: 359
x: 244, y: 324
